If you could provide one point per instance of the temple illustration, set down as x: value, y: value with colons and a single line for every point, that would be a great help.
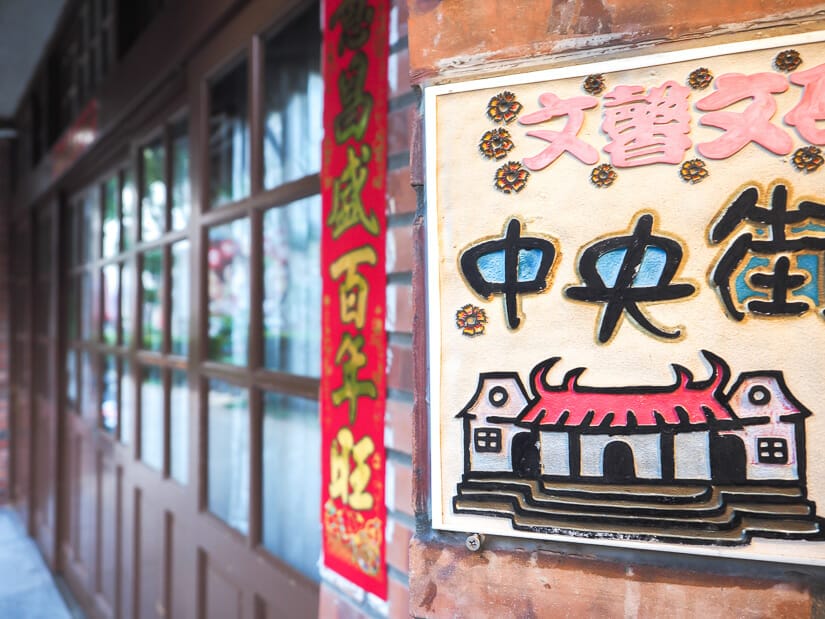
x: 691, y: 462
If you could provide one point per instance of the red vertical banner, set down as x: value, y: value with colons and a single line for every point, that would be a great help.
x: 353, y: 381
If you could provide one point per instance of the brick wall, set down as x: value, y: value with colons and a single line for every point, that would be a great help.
x: 338, y: 600
x: 460, y: 39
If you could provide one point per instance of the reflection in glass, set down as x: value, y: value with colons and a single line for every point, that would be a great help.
x: 71, y: 377
x: 152, y: 191
x: 294, y: 97
x: 88, y: 310
x: 108, y: 404
x: 127, y: 301
x: 111, y: 221
x: 228, y: 261
x: 179, y: 327
x: 90, y: 239
x: 151, y: 418
x: 228, y: 455
x: 127, y: 404
x: 88, y: 390
x: 128, y: 198
x: 179, y: 427
x: 292, y: 481
x: 111, y: 302
x: 292, y: 287
x: 181, y: 187
x: 229, y: 137
x: 152, y: 311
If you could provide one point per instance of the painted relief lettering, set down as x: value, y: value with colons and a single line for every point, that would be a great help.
x: 647, y: 128
x: 623, y: 271
x: 348, y: 483
x: 564, y: 140
x: 811, y: 107
x: 509, y: 266
x: 354, y: 290
x: 776, y: 276
x: 751, y: 125
x: 352, y: 360
x: 348, y: 207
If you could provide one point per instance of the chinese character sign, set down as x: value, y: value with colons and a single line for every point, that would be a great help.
x: 626, y: 290
x: 353, y: 266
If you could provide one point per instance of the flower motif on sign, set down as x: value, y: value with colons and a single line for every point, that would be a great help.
x: 693, y: 171
x: 471, y: 320
x: 594, y: 84
x: 503, y: 107
x: 603, y: 175
x: 496, y: 143
x: 808, y: 159
x: 511, y: 177
x: 700, y: 78
x: 788, y: 60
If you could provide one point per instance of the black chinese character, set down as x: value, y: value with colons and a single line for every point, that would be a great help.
x: 509, y: 266
x: 734, y: 277
x: 623, y: 271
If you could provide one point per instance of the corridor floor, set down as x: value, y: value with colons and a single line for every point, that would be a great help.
x: 27, y: 589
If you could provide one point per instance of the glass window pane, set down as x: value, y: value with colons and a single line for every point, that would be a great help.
x: 88, y: 307
x: 127, y: 302
x: 292, y: 481
x: 228, y: 258
x: 88, y: 390
x: 71, y: 308
x: 181, y: 187
x: 179, y: 427
x: 228, y: 455
x: 151, y: 417
x: 108, y: 405
x: 111, y: 220
x: 127, y: 404
x: 293, y: 105
x: 90, y: 231
x: 292, y: 287
x: 152, y: 317
x: 71, y: 377
x: 229, y: 137
x: 128, y: 197
x: 111, y: 302
x: 179, y: 327
x: 152, y: 191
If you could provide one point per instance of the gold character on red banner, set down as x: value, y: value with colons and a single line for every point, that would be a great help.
x: 353, y: 291
x: 355, y: 17
x: 347, y: 205
x: 356, y: 102
x: 346, y: 483
x: 350, y: 356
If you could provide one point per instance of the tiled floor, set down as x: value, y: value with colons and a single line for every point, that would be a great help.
x: 27, y: 589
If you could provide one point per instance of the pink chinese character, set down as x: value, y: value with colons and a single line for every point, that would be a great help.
x: 751, y: 125
x: 647, y: 128
x: 564, y: 140
x: 811, y: 106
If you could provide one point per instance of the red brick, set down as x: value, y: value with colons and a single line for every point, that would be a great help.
x: 399, y: 250
x: 398, y: 545
x: 399, y: 487
x: 401, y: 196
x: 399, y: 598
x: 400, y: 367
x: 335, y: 606
x: 399, y: 308
x: 398, y: 424
x: 447, y: 580
x: 399, y: 125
